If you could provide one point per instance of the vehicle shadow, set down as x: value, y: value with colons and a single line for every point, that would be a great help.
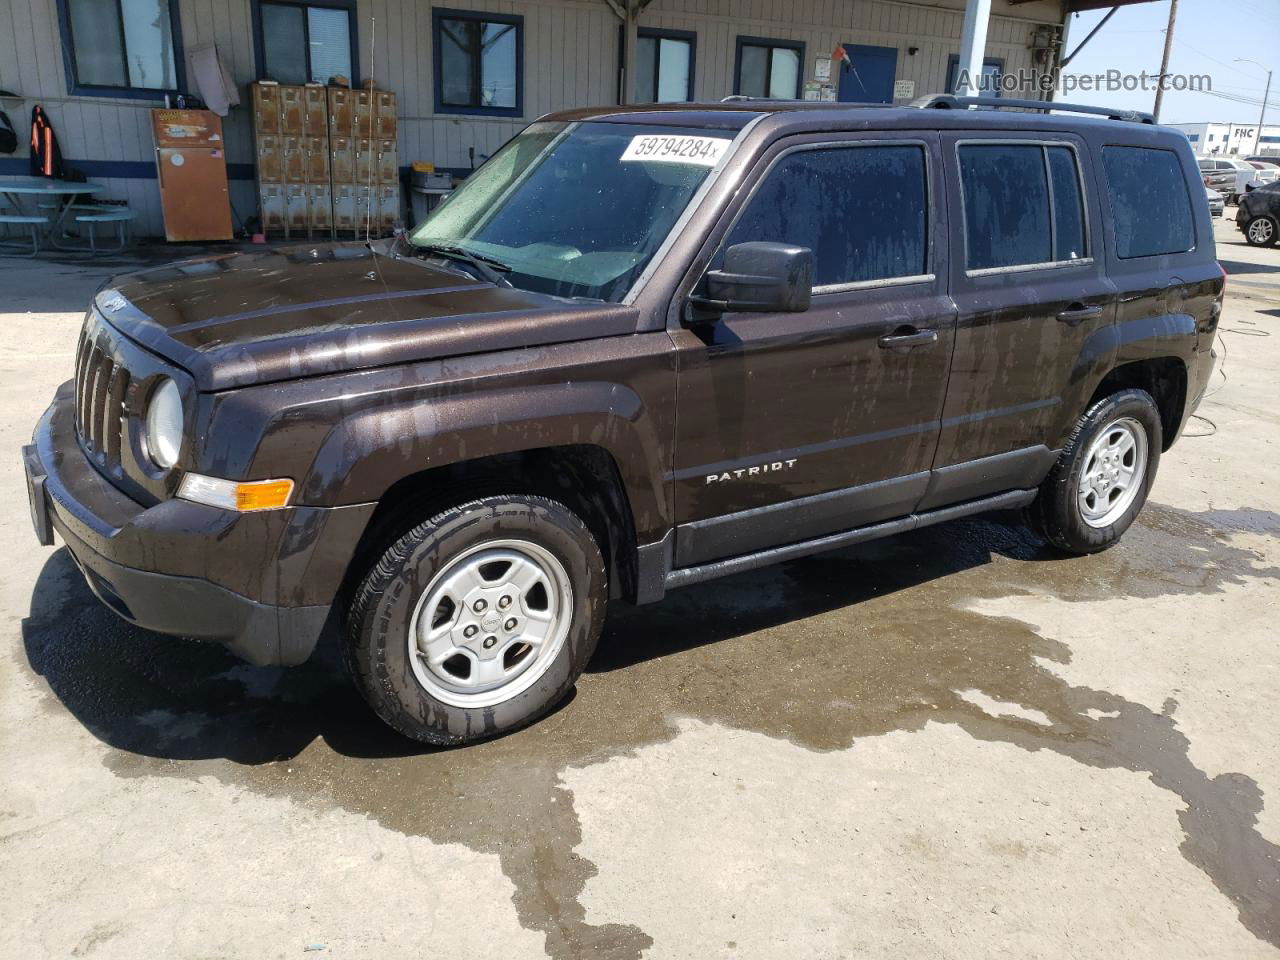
x: 1240, y: 266
x: 175, y: 699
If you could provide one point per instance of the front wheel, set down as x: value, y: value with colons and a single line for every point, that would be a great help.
x: 1103, y: 476
x: 1262, y: 231
x: 479, y: 620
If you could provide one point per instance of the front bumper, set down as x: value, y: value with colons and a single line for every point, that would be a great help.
x: 263, y: 584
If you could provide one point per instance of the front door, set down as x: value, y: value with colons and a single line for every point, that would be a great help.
x: 868, y: 76
x: 793, y: 425
x: 1028, y: 282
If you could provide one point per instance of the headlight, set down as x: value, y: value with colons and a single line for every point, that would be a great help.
x: 164, y: 424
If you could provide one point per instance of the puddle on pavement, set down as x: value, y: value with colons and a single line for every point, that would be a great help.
x: 819, y: 651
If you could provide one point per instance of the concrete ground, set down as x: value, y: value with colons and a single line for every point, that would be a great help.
x: 951, y: 744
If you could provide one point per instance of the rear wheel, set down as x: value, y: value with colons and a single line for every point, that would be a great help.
x: 1262, y: 231
x: 478, y: 621
x: 1103, y: 476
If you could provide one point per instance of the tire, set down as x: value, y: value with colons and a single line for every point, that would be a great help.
x: 1086, y: 524
x: 436, y: 577
x: 1262, y: 231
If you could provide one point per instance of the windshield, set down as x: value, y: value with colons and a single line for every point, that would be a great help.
x: 577, y: 209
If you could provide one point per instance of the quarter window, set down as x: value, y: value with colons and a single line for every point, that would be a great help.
x: 664, y: 66
x: 862, y: 210
x: 1022, y: 205
x: 478, y: 62
x: 122, y: 45
x: 1149, y: 201
x: 769, y: 68
x: 306, y: 43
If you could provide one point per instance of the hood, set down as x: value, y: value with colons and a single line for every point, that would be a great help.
x: 245, y: 318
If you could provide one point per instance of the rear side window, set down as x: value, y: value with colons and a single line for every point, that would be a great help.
x: 1022, y: 205
x: 1149, y: 201
x: 863, y: 210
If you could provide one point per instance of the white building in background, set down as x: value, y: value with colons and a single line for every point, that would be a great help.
x: 1231, y: 139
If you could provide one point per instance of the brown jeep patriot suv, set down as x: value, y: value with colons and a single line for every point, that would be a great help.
x: 638, y: 349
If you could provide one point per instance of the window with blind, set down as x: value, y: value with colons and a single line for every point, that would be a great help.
x: 479, y: 61
x: 664, y: 66
x: 128, y: 48
x: 769, y: 68
x: 306, y: 42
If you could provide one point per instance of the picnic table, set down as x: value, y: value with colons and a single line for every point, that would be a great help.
x: 63, y: 192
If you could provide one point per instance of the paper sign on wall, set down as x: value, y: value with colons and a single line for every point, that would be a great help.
x: 904, y: 89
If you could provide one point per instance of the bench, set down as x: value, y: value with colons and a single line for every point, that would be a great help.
x: 120, y: 216
x: 33, y: 221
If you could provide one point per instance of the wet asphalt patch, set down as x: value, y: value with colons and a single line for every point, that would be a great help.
x: 820, y: 651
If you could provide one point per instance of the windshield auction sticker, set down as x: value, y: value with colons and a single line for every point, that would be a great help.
x: 661, y: 148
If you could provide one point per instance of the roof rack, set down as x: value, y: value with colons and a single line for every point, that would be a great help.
x: 946, y: 101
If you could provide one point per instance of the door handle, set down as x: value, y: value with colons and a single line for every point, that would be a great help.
x: 1078, y: 313
x: 908, y: 336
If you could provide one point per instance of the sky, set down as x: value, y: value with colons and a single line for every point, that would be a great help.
x: 1207, y: 37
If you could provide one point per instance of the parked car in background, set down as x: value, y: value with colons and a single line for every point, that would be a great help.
x: 1217, y: 202
x: 1232, y: 176
x: 1259, y: 215
x: 1267, y: 172
x: 1218, y: 175
x: 1270, y: 158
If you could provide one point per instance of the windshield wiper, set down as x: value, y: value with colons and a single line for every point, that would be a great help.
x: 489, y: 268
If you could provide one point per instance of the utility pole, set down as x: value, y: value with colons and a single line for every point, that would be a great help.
x: 1257, y: 143
x: 1164, y: 62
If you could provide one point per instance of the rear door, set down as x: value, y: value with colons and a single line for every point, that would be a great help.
x: 793, y: 425
x: 1028, y: 281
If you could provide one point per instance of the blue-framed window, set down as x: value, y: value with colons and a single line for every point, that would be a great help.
x: 122, y: 48
x: 306, y: 42
x: 992, y: 70
x: 769, y: 68
x: 478, y: 62
x: 664, y: 65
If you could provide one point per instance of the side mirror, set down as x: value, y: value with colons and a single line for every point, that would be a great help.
x: 760, y: 277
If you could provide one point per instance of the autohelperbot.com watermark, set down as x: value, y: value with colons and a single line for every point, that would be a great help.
x: 1037, y: 83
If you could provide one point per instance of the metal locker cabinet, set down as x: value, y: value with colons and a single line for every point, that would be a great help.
x: 388, y: 209
x: 362, y: 118
x: 316, y: 153
x: 271, y: 203
x: 341, y: 162
x: 387, y: 169
x: 385, y: 104
x: 315, y: 111
x: 339, y: 112
x: 266, y: 108
x: 320, y: 209
x: 364, y: 159
x: 362, y: 196
x: 295, y: 208
x: 294, y: 159
x: 270, y: 163
x: 344, y: 207
x: 291, y: 110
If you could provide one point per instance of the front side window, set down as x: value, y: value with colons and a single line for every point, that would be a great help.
x: 1023, y: 205
x: 121, y: 45
x: 769, y: 68
x: 1149, y: 201
x: 478, y: 62
x: 577, y: 209
x: 862, y: 210
x: 305, y: 43
x: 664, y: 66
